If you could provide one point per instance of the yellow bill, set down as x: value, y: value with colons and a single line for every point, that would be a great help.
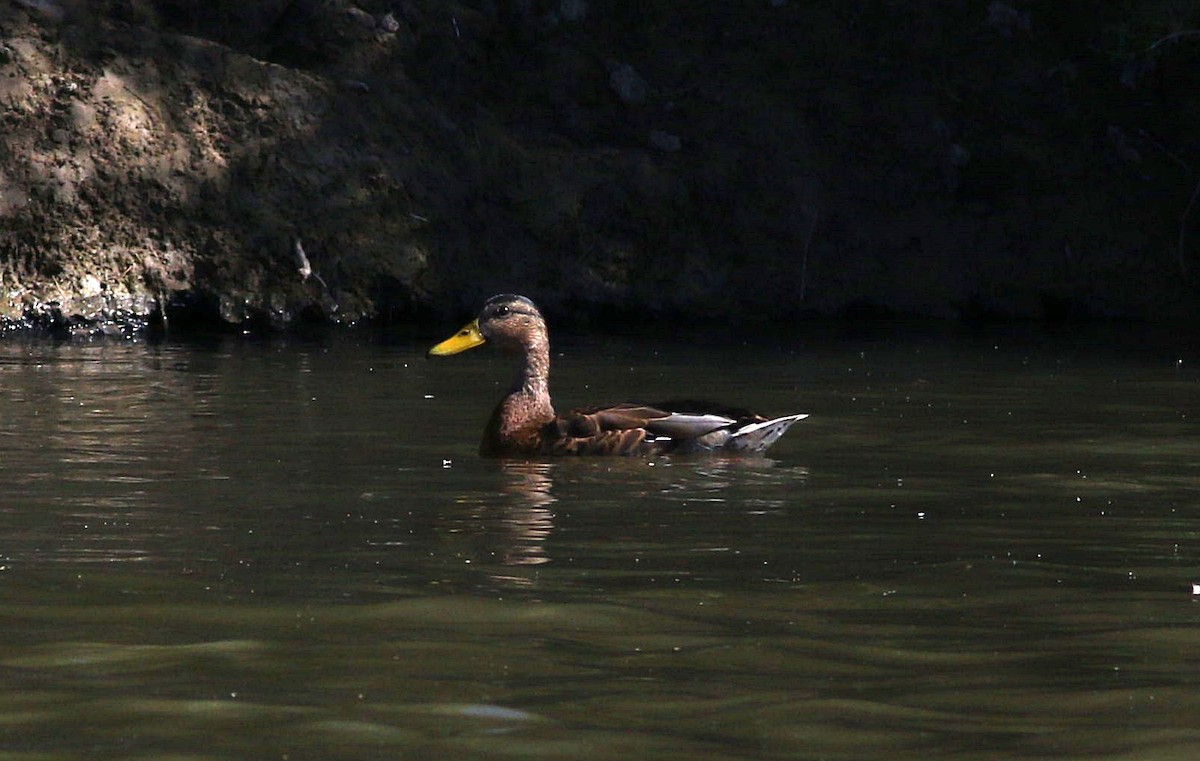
x: 467, y: 338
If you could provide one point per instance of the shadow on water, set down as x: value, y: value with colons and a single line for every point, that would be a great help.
x: 290, y: 550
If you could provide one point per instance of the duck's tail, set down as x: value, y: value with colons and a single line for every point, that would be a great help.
x: 756, y: 437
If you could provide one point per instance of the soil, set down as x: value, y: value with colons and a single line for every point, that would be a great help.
x: 167, y: 161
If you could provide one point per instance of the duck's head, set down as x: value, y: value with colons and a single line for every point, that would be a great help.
x: 511, y: 322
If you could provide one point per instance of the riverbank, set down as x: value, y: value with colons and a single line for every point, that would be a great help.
x: 295, y: 161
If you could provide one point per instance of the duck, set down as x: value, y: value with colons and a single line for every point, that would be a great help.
x: 525, y: 425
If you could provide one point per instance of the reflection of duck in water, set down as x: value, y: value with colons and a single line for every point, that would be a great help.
x: 524, y: 423
x: 528, y: 521
x: 529, y: 483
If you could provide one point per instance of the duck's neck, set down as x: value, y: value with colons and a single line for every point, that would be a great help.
x: 529, y: 400
x: 533, y: 383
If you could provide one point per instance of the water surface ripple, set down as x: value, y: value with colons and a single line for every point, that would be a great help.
x: 978, y: 547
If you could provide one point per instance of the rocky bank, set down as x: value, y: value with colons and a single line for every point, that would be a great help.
x: 258, y: 164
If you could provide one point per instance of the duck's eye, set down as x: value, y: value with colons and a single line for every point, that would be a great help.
x: 502, y: 311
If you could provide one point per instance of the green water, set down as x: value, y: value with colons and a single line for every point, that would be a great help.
x: 978, y: 547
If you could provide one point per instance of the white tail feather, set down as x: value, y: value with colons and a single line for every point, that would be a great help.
x: 756, y: 437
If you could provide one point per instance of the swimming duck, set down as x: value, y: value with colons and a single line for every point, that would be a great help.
x: 525, y: 424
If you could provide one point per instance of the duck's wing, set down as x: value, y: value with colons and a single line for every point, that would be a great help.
x: 674, y: 426
x: 614, y: 429
x: 616, y: 417
x: 628, y: 429
x: 629, y: 442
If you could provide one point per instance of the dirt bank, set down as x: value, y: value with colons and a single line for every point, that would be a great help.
x: 761, y: 159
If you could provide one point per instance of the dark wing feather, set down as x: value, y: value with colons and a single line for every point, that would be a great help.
x: 611, y: 429
x: 631, y: 441
x: 589, y: 421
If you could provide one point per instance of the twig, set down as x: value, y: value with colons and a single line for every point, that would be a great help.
x: 303, y: 266
x: 812, y: 228
x: 1172, y: 37
x: 1162, y: 148
x: 1183, y: 225
x: 151, y: 109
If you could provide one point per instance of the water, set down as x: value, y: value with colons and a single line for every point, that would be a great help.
x: 977, y: 547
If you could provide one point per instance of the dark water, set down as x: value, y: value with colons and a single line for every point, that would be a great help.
x: 976, y: 548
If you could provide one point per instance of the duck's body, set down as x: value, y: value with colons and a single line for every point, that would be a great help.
x: 525, y: 424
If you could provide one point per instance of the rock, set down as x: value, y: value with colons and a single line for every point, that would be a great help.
x: 82, y: 115
x: 47, y: 10
x: 665, y: 141
x: 90, y: 285
x: 361, y: 17
x: 389, y: 24
x: 628, y: 84
x: 958, y: 156
x: 1122, y: 146
x: 1006, y: 19
x: 573, y: 11
x: 955, y: 159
